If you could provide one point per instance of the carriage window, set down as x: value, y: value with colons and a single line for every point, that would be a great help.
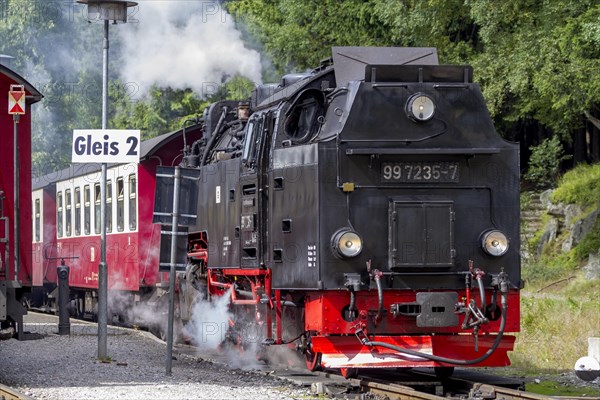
x: 77, y: 211
x: 302, y: 120
x: 68, y: 212
x: 109, y: 206
x: 38, y: 218
x: 132, y: 202
x: 86, y: 209
x: 97, y: 205
x: 59, y: 214
x: 120, y: 205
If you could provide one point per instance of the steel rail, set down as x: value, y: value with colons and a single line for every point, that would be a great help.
x: 396, y: 391
x: 456, y: 388
x: 7, y: 393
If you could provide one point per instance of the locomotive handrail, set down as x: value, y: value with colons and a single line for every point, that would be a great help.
x: 436, y: 151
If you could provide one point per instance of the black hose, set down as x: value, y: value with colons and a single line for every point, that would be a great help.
x: 379, y: 298
x: 451, y: 360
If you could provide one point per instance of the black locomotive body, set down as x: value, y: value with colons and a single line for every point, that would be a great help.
x: 374, y: 199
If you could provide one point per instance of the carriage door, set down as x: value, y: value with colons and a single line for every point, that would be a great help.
x: 254, y: 191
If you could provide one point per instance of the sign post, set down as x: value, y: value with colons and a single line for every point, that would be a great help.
x: 16, y: 107
x: 105, y: 11
x: 104, y: 146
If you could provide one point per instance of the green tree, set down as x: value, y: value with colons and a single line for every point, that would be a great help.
x: 539, y: 60
x: 165, y: 109
x: 545, y: 162
x: 298, y: 34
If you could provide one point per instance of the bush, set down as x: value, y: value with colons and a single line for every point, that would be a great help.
x: 581, y: 185
x: 544, y: 163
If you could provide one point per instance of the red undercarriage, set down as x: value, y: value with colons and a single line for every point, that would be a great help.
x: 338, y: 340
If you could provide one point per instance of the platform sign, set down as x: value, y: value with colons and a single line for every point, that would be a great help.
x: 16, y: 100
x: 119, y: 146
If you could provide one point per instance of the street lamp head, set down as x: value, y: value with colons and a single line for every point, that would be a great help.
x: 111, y: 10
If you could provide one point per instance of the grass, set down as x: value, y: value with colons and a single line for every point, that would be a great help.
x: 553, y: 388
x: 581, y: 185
x: 560, y: 308
x: 555, y: 326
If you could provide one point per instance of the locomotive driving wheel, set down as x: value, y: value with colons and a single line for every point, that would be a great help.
x: 313, y: 360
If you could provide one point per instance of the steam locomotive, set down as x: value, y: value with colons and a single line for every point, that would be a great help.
x: 366, y: 211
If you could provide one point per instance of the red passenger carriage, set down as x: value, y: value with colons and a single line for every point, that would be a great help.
x: 66, y: 227
x: 16, y: 276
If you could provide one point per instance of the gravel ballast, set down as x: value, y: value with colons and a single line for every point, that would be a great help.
x: 66, y: 367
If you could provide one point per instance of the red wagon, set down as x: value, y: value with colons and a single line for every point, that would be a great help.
x: 16, y: 273
x: 66, y: 209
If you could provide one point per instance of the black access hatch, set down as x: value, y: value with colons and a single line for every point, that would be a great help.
x: 421, y: 233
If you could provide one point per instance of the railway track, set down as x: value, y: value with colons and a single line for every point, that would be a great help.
x: 416, y: 385
x: 7, y: 393
x: 471, y: 390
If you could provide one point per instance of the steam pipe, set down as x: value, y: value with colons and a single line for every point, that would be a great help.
x: 214, y: 136
x: 481, y: 293
x: 379, y: 296
x: 352, y: 306
x: 284, y: 303
x: 195, y: 120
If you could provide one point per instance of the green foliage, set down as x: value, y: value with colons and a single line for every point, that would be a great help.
x: 540, y: 60
x: 37, y: 33
x: 544, y: 163
x: 160, y: 111
x: 580, y: 185
x: 536, y: 61
x: 164, y: 109
x: 297, y: 35
x: 590, y: 243
x: 550, y: 267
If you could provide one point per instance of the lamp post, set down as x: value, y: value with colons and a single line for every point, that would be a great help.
x: 105, y: 11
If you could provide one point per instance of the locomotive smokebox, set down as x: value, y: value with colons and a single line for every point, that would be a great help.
x: 64, y: 325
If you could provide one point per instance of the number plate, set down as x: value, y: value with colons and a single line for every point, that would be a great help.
x: 419, y: 172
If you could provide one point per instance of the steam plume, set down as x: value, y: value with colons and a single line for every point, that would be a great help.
x: 184, y: 44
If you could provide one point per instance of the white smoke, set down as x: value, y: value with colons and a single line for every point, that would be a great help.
x: 184, y: 44
x: 209, y: 331
x: 210, y: 322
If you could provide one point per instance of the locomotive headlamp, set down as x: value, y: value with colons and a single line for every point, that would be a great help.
x: 346, y: 243
x: 494, y: 242
x: 420, y: 107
